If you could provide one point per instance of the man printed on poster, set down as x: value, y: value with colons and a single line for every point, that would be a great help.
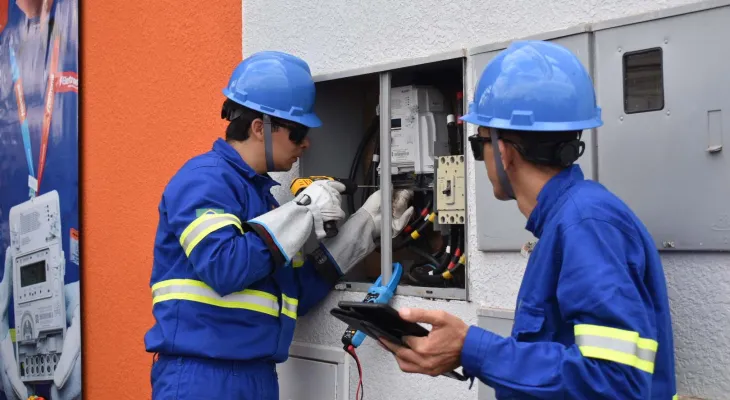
x: 39, y: 177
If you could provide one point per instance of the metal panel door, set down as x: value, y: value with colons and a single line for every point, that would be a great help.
x: 500, y: 225
x: 498, y: 321
x: 665, y: 93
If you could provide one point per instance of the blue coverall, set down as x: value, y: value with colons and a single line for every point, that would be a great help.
x: 592, y: 319
x: 225, y: 313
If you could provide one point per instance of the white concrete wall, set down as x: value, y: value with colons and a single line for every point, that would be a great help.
x: 336, y: 35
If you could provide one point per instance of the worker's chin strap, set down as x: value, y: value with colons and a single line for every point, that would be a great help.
x: 268, y: 144
x: 501, y: 173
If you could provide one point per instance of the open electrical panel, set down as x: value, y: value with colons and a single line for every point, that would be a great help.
x: 427, y: 157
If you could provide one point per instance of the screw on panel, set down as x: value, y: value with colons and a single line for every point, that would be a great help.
x: 668, y: 112
x: 619, y: 50
x: 668, y: 245
x: 621, y: 118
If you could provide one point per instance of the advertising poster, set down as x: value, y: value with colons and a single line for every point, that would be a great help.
x: 40, y: 325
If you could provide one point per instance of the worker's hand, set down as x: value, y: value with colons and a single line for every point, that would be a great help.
x: 401, y: 212
x: 12, y: 386
x: 287, y: 228
x: 436, y: 353
x: 67, y: 377
x: 325, y: 200
x: 359, y: 236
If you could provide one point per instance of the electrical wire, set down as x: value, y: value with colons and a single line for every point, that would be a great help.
x: 358, y: 156
x: 351, y: 351
x: 426, y: 255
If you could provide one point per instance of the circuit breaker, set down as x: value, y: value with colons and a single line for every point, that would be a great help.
x: 450, y: 190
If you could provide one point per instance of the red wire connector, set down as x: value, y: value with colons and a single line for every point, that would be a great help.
x: 351, y: 350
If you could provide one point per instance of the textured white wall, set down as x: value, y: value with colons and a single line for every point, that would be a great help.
x: 335, y: 36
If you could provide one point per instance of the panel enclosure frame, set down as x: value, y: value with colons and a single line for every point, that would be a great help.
x: 500, y: 225
x: 674, y: 156
x: 387, y: 71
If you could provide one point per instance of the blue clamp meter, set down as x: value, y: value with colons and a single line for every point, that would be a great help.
x: 376, y: 294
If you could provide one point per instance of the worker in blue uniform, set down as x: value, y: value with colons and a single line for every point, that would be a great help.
x: 227, y: 282
x: 592, y: 318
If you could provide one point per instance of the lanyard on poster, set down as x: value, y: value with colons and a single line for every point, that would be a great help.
x: 22, y: 113
x: 33, y: 182
x: 48, y: 111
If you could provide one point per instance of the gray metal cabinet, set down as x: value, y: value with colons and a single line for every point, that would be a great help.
x: 500, y: 225
x: 665, y: 92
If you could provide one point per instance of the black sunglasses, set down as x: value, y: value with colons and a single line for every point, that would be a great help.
x: 297, y: 132
x: 477, y: 146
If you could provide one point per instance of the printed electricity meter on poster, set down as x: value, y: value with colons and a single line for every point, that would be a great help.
x: 38, y: 297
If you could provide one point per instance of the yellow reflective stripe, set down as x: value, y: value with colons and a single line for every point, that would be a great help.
x: 297, y: 260
x: 192, y: 290
x: 675, y: 397
x: 618, y: 345
x: 203, y: 226
x: 289, y: 306
x: 12, y: 334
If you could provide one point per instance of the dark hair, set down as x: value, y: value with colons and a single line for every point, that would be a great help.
x: 240, y: 119
x: 553, y: 149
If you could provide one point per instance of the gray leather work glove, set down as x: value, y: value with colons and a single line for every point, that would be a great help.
x: 360, y: 235
x: 287, y: 228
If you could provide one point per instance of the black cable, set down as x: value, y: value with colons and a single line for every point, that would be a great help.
x: 431, y: 259
x: 445, y: 242
x: 419, y: 274
x: 452, y: 249
x: 358, y: 156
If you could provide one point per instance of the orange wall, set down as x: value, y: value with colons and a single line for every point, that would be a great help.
x: 151, y: 80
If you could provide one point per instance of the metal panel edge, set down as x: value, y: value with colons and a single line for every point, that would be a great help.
x: 570, y: 31
x: 389, y: 66
x: 413, y: 291
x: 465, y: 80
x: 501, y: 313
x: 318, y: 352
x: 660, y: 14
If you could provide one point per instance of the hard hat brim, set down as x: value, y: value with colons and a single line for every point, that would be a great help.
x: 500, y: 123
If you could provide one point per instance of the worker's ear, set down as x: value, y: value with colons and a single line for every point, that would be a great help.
x: 508, y: 153
x: 256, y: 132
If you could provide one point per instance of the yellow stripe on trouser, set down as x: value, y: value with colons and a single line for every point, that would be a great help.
x: 203, y: 226
x: 289, y: 306
x: 617, y: 345
x: 192, y: 290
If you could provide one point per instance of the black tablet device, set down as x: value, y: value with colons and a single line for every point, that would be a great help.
x: 381, y: 321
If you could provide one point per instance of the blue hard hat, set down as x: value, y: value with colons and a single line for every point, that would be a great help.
x: 277, y: 84
x: 535, y: 86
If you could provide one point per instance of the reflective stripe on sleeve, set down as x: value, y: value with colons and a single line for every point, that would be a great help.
x: 297, y: 261
x: 203, y: 226
x: 289, y: 306
x: 192, y: 290
x: 617, y: 345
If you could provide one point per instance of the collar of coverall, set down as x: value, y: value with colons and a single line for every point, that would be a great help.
x: 549, y: 197
x: 230, y: 154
